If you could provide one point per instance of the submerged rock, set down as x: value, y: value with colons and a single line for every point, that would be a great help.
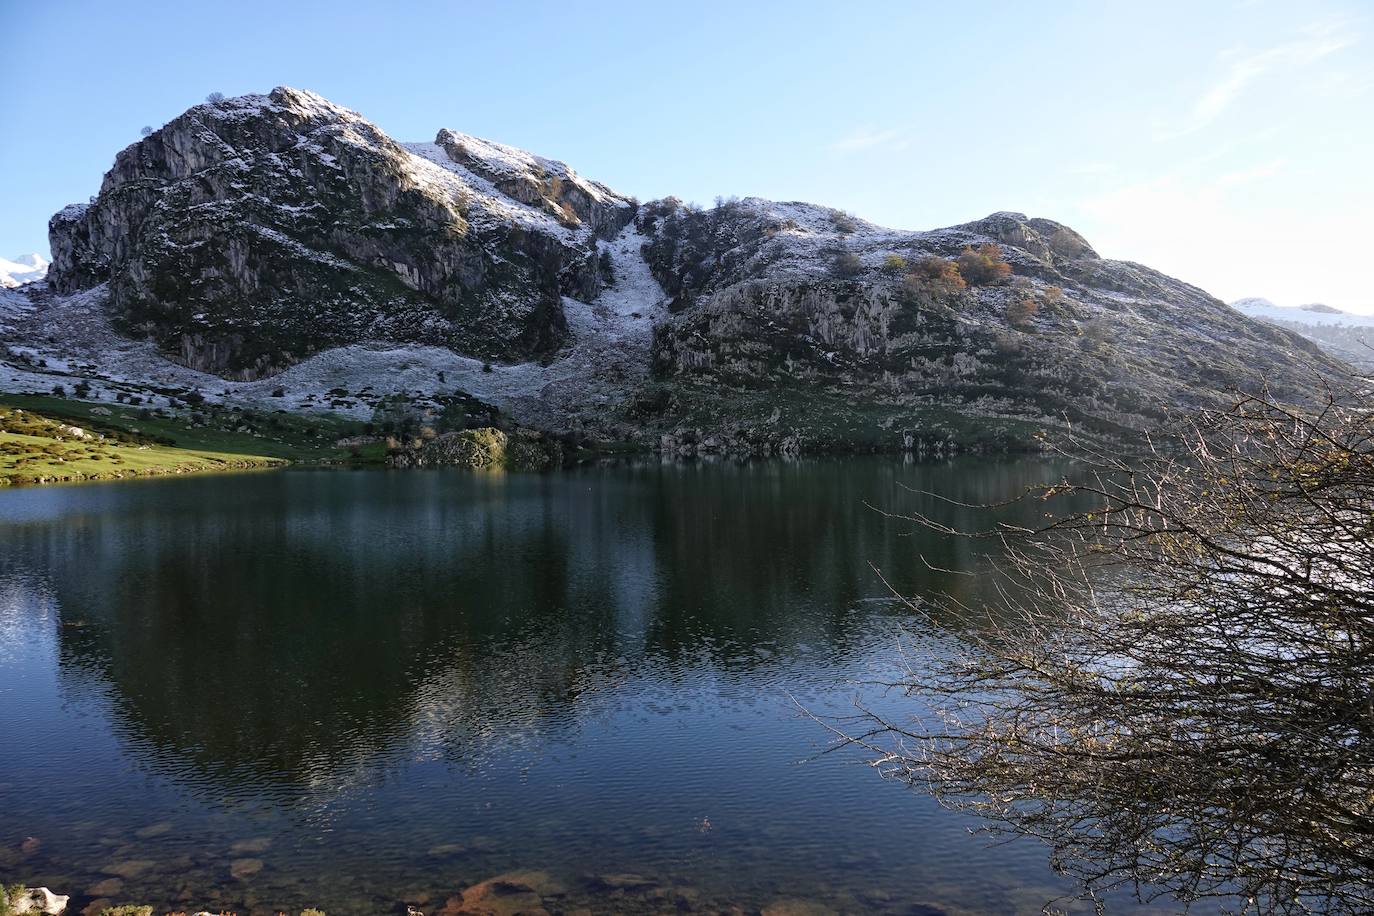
x: 107, y: 888
x: 625, y: 882
x: 129, y: 868
x: 256, y: 844
x: 519, y: 893
x: 446, y: 850
x: 162, y: 827
x: 798, y: 908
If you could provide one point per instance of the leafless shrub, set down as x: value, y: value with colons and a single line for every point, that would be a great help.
x: 846, y: 265
x: 1175, y: 689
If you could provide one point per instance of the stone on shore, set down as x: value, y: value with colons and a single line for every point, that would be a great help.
x: 39, y: 900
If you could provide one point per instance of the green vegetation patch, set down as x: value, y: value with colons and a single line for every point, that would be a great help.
x: 38, y: 448
x: 205, y: 426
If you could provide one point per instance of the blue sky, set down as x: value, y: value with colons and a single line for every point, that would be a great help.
x: 1228, y: 143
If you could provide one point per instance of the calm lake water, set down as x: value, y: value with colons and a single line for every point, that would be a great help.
x: 384, y: 686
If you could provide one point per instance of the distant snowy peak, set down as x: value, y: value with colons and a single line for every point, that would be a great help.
x: 23, y: 269
x: 1314, y: 313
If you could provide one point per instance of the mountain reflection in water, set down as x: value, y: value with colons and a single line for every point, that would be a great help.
x: 389, y: 685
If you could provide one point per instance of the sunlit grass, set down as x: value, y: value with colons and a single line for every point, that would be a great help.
x: 36, y: 449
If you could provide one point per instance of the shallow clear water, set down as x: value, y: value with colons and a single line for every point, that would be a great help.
x: 384, y: 686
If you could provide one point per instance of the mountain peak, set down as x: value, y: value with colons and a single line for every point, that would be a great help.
x: 26, y: 268
x: 1046, y: 239
x: 1314, y: 313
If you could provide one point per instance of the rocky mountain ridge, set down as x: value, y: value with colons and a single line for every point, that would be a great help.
x: 280, y: 247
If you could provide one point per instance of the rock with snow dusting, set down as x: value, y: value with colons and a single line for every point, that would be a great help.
x: 765, y: 329
x: 247, y: 234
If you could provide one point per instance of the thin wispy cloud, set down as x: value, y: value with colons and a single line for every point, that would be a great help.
x: 1244, y: 68
x: 1089, y: 169
x: 1254, y: 173
x: 864, y: 139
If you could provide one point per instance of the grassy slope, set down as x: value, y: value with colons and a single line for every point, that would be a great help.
x: 37, y: 446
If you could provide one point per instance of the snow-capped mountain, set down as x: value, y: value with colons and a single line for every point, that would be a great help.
x: 24, y: 269
x: 280, y: 250
x: 1346, y: 335
x: 1314, y: 313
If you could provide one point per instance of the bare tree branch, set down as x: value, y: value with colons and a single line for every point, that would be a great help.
x: 1173, y: 689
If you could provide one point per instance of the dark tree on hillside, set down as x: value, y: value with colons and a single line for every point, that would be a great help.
x: 846, y: 265
x: 1175, y: 689
x: 397, y: 415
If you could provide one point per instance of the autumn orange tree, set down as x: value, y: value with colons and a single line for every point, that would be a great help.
x: 1021, y: 312
x: 937, y: 272
x: 983, y: 264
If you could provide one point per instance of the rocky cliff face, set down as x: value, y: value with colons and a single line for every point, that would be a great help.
x: 250, y: 233
x: 248, y: 237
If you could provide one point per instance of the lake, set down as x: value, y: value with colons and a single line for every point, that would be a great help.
x: 350, y: 689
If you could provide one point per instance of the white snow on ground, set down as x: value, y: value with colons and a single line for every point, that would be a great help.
x: 14, y: 306
x: 48, y: 340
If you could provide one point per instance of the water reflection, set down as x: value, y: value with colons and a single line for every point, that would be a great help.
x: 574, y: 668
